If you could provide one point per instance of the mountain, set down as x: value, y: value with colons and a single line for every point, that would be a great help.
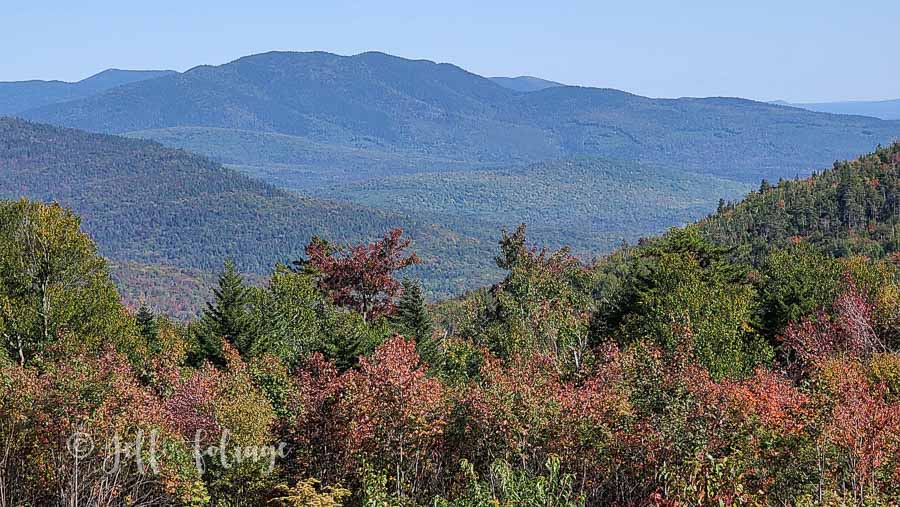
x: 589, y: 204
x: 153, y: 205
x: 852, y: 208
x: 525, y: 83
x: 17, y: 96
x: 162, y: 210
x: 374, y: 104
x: 884, y: 109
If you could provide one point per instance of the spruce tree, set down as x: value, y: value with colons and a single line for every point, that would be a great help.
x: 413, y: 320
x: 226, y: 317
x: 146, y: 323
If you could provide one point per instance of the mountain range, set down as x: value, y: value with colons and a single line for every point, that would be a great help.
x: 292, y: 145
x: 177, y: 215
x: 364, y: 108
x: 18, y: 96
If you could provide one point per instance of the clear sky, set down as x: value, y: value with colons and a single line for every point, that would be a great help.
x: 797, y: 50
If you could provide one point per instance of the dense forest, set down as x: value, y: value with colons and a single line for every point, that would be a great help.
x: 174, y: 212
x: 853, y: 208
x: 749, y: 359
x: 146, y: 203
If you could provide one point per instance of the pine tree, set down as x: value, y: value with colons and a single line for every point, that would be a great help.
x: 413, y: 320
x: 226, y: 317
x: 146, y: 323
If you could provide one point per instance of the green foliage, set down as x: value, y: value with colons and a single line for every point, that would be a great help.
x: 146, y: 324
x: 52, y: 282
x: 509, y: 487
x: 795, y: 282
x: 683, y: 292
x: 285, y: 315
x: 307, y: 493
x: 538, y: 307
x: 227, y: 318
x: 849, y: 209
x: 412, y: 319
x: 587, y: 204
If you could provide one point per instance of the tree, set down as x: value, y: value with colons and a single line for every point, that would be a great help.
x: 146, y: 323
x: 413, y: 320
x: 682, y: 289
x: 397, y: 415
x: 795, y: 282
x: 361, y: 277
x: 52, y: 281
x: 226, y: 317
x: 541, y: 305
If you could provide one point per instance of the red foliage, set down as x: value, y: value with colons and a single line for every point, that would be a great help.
x: 515, y: 412
x: 862, y: 424
x: 361, y: 277
x: 397, y: 414
x: 767, y: 398
x: 192, y: 405
x: 316, y: 429
x: 850, y: 331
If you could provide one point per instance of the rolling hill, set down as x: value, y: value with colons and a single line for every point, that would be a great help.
x: 589, y: 204
x: 17, y: 96
x: 153, y: 205
x: 162, y: 210
x: 377, y: 103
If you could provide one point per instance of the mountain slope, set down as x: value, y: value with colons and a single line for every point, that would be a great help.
x: 296, y: 163
x: 146, y: 203
x: 852, y: 208
x: 589, y: 204
x: 378, y: 102
x: 17, y: 96
x: 884, y: 109
x: 525, y: 83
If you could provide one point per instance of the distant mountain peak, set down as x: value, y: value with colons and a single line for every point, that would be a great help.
x: 525, y: 83
x: 110, y: 78
x: 18, y: 96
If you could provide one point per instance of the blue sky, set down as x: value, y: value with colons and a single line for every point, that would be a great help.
x: 794, y: 50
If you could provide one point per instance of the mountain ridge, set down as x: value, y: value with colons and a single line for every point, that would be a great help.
x: 418, y: 107
x: 18, y: 96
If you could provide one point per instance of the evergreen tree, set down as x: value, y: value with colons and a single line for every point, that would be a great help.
x: 146, y: 323
x: 413, y: 320
x: 226, y: 317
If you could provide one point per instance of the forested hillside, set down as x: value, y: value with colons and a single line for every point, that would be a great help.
x: 379, y: 102
x: 17, y: 96
x: 592, y: 205
x: 851, y: 209
x: 675, y: 372
x: 146, y: 203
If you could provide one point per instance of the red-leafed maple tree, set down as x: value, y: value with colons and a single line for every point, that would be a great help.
x: 362, y: 277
